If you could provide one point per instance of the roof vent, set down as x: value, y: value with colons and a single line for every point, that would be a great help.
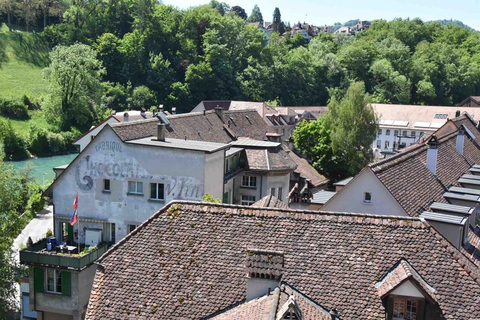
x: 457, y: 113
x: 125, y: 117
x: 174, y: 110
x: 161, y: 132
x: 219, y: 111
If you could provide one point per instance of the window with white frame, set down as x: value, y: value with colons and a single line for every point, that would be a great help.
x: 387, y: 144
x: 412, y: 134
x: 249, y: 181
x: 387, y: 132
x: 367, y: 197
x: 272, y: 191
x: 280, y: 193
x: 405, y: 309
x: 379, y: 144
x: 379, y: 132
x: 395, y: 133
x: 135, y: 187
x: 405, y: 133
x: 157, y: 191
x: 54, y: 281
x: 248, y: 200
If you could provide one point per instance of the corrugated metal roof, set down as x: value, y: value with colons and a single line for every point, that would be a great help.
x: 464, y: 190
x: 400, y: 123
x: 470, y: 134
x: 254, y: 143
x: 470, y: 176
x: 181, y: 144
x: 472, y: 169
x: 321, y: 197
x: 469, y: 181
x: 459, y: 196
x: 443, y: 217
x: 343, y: 182
x: 233, y: 151
x: 438, y: 206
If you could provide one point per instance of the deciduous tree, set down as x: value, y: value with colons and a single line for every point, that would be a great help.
x: 75, y: 91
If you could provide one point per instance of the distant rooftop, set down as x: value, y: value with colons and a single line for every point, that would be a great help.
x: 254, y: 143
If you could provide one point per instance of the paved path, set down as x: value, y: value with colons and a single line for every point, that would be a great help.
x: 37, y: 228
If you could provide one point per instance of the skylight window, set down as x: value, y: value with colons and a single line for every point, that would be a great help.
x: 440, y: 116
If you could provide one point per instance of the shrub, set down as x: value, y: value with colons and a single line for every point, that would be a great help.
x: 13, y: 109
x: 14, y: 146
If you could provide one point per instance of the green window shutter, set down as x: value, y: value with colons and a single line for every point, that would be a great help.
x: 70, y: 234
x: 38, y: 279
x: 66, y: 283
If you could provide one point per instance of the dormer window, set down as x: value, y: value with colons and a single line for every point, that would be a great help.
x: 404, y: 293
x: 367, y: 197
x: 405, y: 309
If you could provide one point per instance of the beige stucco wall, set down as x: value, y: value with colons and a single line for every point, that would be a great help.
x: 350, y: 198
x: 181, y: 171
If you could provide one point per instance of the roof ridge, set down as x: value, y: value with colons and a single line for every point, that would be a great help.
x: 267, y: 212
x: 133, y: 122
x: 189, y: 114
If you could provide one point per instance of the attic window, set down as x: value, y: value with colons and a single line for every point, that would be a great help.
x: 405, y: 309
x: 367, y: 197
x: 440, y: 116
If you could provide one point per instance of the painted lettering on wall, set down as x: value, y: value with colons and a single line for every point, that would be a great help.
x: 183, y: 189
x: 87, y: 169
x: 114, y: 146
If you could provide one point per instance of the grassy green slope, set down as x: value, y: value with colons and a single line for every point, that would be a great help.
x: 22, y: 58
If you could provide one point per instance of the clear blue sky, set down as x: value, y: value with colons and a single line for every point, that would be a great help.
x: 320, y: 12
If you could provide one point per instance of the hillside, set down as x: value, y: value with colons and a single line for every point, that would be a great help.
x: 22, y: 59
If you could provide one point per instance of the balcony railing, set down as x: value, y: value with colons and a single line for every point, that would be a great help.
x: 38, y: 255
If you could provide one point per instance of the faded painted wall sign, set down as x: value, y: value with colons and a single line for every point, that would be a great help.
x: 87, y: 169
x: 114, y: 146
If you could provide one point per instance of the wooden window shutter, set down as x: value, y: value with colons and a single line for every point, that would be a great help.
x: 66, y: 283
x: 39, y: 279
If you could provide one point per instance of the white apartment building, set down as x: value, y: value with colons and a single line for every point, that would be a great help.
x: 402, y: 125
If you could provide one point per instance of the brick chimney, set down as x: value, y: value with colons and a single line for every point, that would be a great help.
x: 432, y: 154
x: 264, y: 271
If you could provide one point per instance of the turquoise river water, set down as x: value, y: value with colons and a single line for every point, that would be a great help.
x: 42, y: 168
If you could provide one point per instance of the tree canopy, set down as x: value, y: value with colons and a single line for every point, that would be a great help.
x: 74, y: 76
x: 340, y: 143
x: 256, y: 15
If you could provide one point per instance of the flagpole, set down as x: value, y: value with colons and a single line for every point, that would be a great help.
x: 78, y: 233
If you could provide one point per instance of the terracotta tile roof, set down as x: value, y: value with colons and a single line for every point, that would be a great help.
x: 246, y: 123
x: 188, y: 262
x: 199, y: 126
x: 305, y: 170
x: 270, y: 202
x: 273, y: 306
x: 400, y: 273
x: 269, y: 159
x: 410, y: 182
